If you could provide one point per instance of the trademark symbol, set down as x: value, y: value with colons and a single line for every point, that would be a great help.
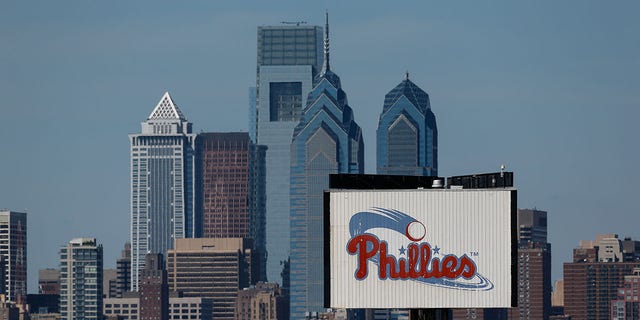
x: 473, y: 253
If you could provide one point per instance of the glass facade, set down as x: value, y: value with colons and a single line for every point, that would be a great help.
x: 13, y: 254
x: 233, y: 195
x: 327, y: 140
x: 163, y: 195
x: 407, y: 135
x: 287, y: 60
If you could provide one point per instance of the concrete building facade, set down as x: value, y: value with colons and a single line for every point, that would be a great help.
x: 212, y: 268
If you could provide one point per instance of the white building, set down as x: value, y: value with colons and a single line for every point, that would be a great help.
x: 162, y: 184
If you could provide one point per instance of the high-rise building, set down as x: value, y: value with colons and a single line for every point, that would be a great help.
x: 13, y: 252
x: 154, y: 289
x: 594, y: 277
x: 49, y: 281
x: 407, y: 144
x: 532, y: 226
x: 534, y: 267
x: 627, y: 305
x: 123, y: 267
x: 213, y: 268
x: 534, y: 273
x: 81, y: 280
x: 162, y: 184
x: 326, y: 140
x: 233, y: 194
x: 288, y: 58
x: 407, y: 135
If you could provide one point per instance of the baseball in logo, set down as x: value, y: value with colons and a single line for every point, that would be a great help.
x: 417, y: 259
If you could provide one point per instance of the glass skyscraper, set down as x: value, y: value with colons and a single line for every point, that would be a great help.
x: 288, y: 58
x: 233, y: 195
x: 326, y: 140
x: 407, y: 135
x: 162, y: 184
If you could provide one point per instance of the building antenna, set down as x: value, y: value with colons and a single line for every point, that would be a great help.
x: 325, y: 66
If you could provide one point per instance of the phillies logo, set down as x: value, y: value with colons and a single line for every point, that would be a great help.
x: 419, y: 261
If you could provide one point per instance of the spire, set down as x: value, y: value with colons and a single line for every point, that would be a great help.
x: 325, y: 65
x: 406, y: 75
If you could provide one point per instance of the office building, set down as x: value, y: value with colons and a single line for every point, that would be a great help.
x: 154, y: 289
x: 288, y: 58
x: 162, y: 184
x: 13, y: 253
x: 326, y: 140
x: 212, y: 268
x: 264, y: 301
x: 233, y: 190
x: 179, y: 308
x: 81, y: 280
x: 532, y: 226
x: 109, y: 283
x: 594, y: 277
x: 123, y: 267
x: 407, y: 135
x: 534, y: 273
x: 407, y: 144
x: 534, y: 266
x: 627, y: 304
x: 43, y: 303
x: 49, y: 281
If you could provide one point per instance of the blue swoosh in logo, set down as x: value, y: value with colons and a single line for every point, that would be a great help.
x: 398, y: 221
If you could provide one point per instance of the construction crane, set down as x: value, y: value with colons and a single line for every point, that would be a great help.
x: 297, y: 23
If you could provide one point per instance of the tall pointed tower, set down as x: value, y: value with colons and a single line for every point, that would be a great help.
x: 407, y: 135
x: 326, y: 140
x: 162, y: 184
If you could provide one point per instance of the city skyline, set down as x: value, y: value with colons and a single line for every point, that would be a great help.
x: 546, y: 89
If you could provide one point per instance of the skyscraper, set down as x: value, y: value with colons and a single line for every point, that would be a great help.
x: 326, y: 140
x: 288, y: 58
x: 81, y: 280
x: 407, y: 144
x: 13, y: 252
x: 534, y: 273
x: 162, y: 184
x: 534, y: 267
x: 233, y: 194
x: 407, y: 135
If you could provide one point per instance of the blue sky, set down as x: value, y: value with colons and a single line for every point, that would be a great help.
x: 550, y: 89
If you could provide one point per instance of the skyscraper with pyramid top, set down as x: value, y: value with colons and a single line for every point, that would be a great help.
x: 162, y: 184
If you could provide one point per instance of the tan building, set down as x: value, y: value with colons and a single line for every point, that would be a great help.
x: 264, y: 301
x: 49, y: 281
x: 179, y: 308
x: 213, y: 268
